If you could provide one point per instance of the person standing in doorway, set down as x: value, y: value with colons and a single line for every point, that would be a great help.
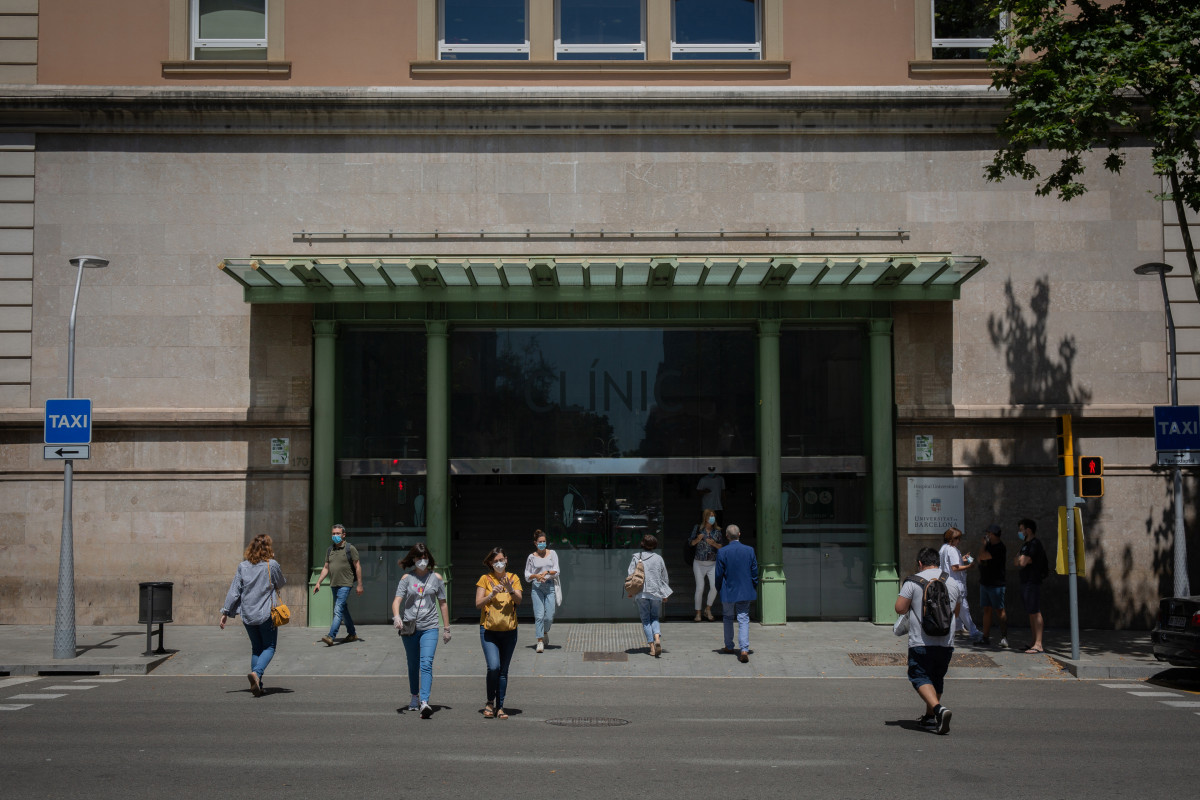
x: 954, y: 565
x: 542, y: 574
x: 251, y: 594
x: 737, y: 581
x: 711, y: 489
x: 497, y: 595
x: 344, y: 570
x: 707, y: 539
x: 993, y: 558
x: 1033, y: 570
x: 420, y: 595
x: 929, y: 653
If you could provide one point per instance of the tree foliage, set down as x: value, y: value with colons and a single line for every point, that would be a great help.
x: 1085, y: 76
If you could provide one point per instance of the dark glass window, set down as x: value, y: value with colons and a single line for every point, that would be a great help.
x: 628, y: 393
x: 381, y: 394
x: 715, y: 29
x: 484, y: 29
x: 600, y: 21
x: 821, y: 383
x: 963, y: 29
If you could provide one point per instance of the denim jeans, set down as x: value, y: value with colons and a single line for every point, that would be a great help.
x: 262, y: 645
x: 340, y: 612
x: 741, y: 610
x: 498, y: 647
x: 650, y: 609
x: 420, y: 648
x: 543, y: 607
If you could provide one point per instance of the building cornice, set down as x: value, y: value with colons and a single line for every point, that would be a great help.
x: 504, y: 110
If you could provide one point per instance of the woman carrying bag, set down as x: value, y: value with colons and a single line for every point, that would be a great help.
x: 654, y: 591
x: 252, y: 594
x: 541, y: 571
x: 415, y: 614
x: 497, y: 595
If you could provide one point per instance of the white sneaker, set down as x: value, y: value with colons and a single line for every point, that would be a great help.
x: 1004, y: 644
x: 540, y: 647
x: 415, y: 703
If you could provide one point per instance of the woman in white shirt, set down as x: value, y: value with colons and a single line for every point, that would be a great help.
x: 655, y: 591
x: 954, y: 565
x: 541, y: 570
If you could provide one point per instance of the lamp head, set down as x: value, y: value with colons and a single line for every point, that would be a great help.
x: 1153, y: 268
x: 89, y: 262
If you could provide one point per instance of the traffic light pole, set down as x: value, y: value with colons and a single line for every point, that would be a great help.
x: 1072, y: 585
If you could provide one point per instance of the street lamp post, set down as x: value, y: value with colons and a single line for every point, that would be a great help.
x: 64, y: 612
x: 1182, y: 587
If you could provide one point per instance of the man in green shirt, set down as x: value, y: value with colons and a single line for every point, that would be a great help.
x: 344, y: 570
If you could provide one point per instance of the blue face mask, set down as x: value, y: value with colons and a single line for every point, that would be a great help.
x: 1021, y: 535
x: 712, y: 520
x: 541, y: 546
x: 337, y: 539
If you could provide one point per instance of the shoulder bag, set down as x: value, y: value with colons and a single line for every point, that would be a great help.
x: 280, y: 614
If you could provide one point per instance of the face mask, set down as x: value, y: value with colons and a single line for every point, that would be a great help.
x: 1021, y: 535
x: 712, y: 520
x: 422, y: 564
x: 499, y: 565
x: 541, y: 545
x: 337, y: 539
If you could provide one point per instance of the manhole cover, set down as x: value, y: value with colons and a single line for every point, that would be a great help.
x: 605, y: 656
x: 587, y: 722
x: 969, y: 660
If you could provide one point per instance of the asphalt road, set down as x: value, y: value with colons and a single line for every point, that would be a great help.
x: 207, y: 737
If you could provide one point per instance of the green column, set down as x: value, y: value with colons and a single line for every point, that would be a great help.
x: 886, y: 581
x: 437, y: 446
x: 770, y: 483
x: 324, y: 426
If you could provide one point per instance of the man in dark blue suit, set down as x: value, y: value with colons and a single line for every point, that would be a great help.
x: 737, y: 581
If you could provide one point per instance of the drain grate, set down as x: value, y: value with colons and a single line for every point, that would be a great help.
x: 968, y: 660
x: 605, y: 637
x: 606, y: 656
x: 587, y: 722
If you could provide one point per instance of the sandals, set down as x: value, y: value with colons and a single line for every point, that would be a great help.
x: 488, y: 711
x: 1033, y: 651
x: 500, y: 714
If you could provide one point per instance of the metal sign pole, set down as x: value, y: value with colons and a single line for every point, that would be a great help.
x: 1072, y: 586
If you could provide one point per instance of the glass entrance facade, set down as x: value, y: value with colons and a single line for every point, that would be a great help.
x: 598, y: 436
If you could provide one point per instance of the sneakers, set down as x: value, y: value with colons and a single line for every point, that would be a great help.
x: 986, y: 641
x: 943, y: 720
x: 328, y: 640
x: 744, y: 657
x: 414, y: 703
x: 1004, y: 643
x: 351, y: 638
x: 426, y: 711
x: 540, y: 647
x: 927, y: 721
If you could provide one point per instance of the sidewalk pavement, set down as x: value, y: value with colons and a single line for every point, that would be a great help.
x: 795, y: 650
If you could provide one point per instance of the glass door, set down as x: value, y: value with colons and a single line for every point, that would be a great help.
x: 826, y: 546
x: 384, y: 517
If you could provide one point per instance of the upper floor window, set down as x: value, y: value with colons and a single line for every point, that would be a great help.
x: 601, y: 30
x: 233, y: 30
x: 484, y: 29
x: 725, y: 29
x: 962, y: 29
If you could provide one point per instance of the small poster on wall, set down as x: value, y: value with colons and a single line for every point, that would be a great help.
x: 923, y: 448
x: 279, y: 451
x: 935, y: 504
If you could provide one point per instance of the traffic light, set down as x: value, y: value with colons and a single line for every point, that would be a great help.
x: 1065, y: 444
x: 1091, y: 476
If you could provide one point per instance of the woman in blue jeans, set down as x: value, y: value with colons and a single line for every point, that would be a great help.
x: 541, y: 571
x: 654, y: 592
x: 251, y: 594
x: 497, y: 595
x: 419, y: 596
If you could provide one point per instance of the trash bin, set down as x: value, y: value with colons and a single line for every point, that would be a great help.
x: 154, y: 607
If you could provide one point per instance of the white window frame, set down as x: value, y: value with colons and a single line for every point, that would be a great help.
x: 718, y: 49
x: 949, y: 44
x: 242, y: 44
x: 599, y: 49
x: 452, y: 49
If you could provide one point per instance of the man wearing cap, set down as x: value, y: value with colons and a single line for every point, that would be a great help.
x: 992, y: 557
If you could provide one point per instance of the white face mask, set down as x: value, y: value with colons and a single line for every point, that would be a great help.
x: 422, y: 564
x: 712, y: 520
x: 499, y: 565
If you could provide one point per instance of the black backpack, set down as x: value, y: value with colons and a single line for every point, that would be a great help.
x: 936, y: 614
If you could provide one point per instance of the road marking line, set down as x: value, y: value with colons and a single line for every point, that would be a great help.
x: 1154, y: 694
x: 1122, y: 685
x: 99, y: 680
x: 35, y: 696
x: 1181, y: 703
x: 7, y: 682
x: 69, y: 688
x: 336, y: 713
x: 13, y: 706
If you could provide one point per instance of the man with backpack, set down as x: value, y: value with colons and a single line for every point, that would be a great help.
x: 931, y: 603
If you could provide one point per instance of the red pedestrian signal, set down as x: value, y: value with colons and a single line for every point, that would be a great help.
x: 1091, y: 476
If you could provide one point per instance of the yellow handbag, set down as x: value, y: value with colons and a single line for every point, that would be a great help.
x: 280, y: 614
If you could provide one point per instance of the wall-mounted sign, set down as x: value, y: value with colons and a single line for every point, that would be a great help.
x: 935, y: 504
x: 923, y: 448
x: 279, y: 451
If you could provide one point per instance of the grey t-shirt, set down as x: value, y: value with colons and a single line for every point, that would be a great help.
x: 420, y: 598
x: 913, y: 591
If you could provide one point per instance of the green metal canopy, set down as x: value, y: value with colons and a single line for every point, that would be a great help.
x: 421, y: 279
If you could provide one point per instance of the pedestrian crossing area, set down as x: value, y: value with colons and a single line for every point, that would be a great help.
x: 1185, y: 700
x: 19, y: 693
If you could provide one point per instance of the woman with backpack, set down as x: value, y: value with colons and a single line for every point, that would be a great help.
x: 653, y: 591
